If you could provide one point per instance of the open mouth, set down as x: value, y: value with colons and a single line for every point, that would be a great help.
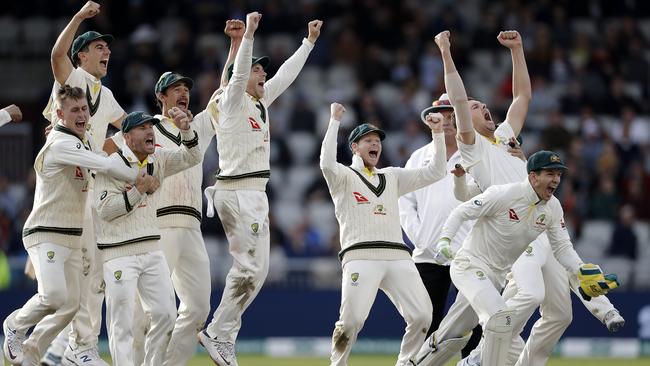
x: 104, y: 63
x: 551, y: 190
x: 261, y: 83
x: 149, y: 143
x: 487, y: 116
x: 80, y: 124
x: 373, y: 154
x: 182, y: 103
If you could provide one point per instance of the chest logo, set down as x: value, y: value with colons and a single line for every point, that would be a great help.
x: 380, y: 210
x: 513, y: 215
x: 118, y: 275
x: 254, y: 125
x: 50, y: 256
x: 540, y: 220
x: 480, y: 275
x: 355, y: 278
x: 78, y: 173
x: 360, y: 198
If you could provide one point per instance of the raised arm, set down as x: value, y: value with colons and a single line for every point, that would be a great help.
x: 242, y: 66
x: 290, y: 69
x: 409, y: 180
x: 521, y: 90
x: 328, y: 163
x: 189, y: 154
x: 235, y: 31
x: 456, y: 91
x: 10, y: 113
x: 67, y: 153
x: 61, y: 64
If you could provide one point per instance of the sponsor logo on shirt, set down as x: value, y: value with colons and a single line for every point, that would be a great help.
x: 254, y: 125
x: 540, y: 220
x: 478, y: 203
x: 360, y: 198
x: 513, y: 215
x: 78, y: 173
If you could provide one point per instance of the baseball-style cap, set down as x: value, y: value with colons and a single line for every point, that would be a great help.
x: 84, y: 39
x: 168, y: 78
x: 262, y: 60
x: 134, y: 119
x: 544, y: 159
x: 365, y: 129
x: 442, y: 103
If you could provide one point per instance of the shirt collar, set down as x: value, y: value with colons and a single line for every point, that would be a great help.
x: 529, y: 193
x: 88, y: 75
x: 357, y: 164
x: 167, y: 122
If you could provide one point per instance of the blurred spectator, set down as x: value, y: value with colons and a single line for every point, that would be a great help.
x: 555, y: 136
x: 603, y: 203
x: 624, y: 239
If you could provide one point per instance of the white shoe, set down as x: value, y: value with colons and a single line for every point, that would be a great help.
x: 88, y: 356
x: 51, y: 359
x: 13, y: 344
x: 614, y: 321
x: 222, y: 353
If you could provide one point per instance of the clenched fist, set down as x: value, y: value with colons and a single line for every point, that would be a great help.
x: 252, y: 22
x: 510, y: 39
x: 434, y: 121
x: 337, y: 111
x: 442, y: 40
x: 14, y: 112
x: 89, y: 10
x: 234, y: 28
x: 314, y: 30
x: 180, y: 118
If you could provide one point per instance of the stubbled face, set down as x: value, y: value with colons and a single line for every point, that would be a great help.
x: 176, y: 95
x: 95, y: 61
x: 75, y: 115
x: 368, y: 148
x: 141, y: 140
x: 546, y: 182
x: 481, y: 118
x: 256, y: 80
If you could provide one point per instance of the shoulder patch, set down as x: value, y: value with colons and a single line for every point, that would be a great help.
x: 104, y: 194
x: 478, y: 203
x: 78, y: 145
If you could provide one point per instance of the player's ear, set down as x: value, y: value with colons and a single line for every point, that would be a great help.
x: 59, y: 113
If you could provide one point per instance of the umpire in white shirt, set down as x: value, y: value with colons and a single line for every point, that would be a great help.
x: 423, y: 212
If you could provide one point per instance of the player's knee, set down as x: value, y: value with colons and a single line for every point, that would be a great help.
x: 532, y: 299
x: 55, y: 298
x: 164, y: 317
x: 200, y: 311
x: 560, y: 319
x: 420, y: 320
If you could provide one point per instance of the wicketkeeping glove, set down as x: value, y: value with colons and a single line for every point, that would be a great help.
x: 444, y: 251
x: 593, y: 283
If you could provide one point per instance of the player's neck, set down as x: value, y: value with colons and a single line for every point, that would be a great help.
x: 451, y: 148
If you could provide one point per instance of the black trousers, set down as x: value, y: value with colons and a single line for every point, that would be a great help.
x: 437, y: 282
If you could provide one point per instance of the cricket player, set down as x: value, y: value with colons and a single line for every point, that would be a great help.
x: 483, y: 153
x: 90, y: 54
x: 10, y: 113
x: 129, y: 235
x: 509, y: 217
x: 52, y: 232
x: 373, y: 254
x: 240, y: 115
x: 423, y: 212
x: 179, y: 214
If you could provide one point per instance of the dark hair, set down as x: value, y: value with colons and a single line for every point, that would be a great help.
x: 69, y: 92
x: 75, y: 58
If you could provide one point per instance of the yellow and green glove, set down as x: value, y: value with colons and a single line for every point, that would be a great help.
x: 593, y: 283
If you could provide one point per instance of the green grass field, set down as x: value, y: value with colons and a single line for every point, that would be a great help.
x: 249, y: 360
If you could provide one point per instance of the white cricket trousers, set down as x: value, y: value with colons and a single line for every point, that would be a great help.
x: 536, y: 266
x: 245, y: 219
x: 58, y: 272
x: 479, y: 297
x: 401, y: 282
x: 84, y: 329
x: 189, y: 265
x: 148, y: 275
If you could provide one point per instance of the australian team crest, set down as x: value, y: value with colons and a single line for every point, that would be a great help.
x: 355, y: 278
x: 540, y: 220
x: 255, y: 227
x: 118, y: 275
x: 50, y: 256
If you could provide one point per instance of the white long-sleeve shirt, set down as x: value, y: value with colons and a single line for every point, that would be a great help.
x: 365, y: 203
x: 62, y: 175
x: 423, y: 212
x: 508, y: 218
x: 5, y: 117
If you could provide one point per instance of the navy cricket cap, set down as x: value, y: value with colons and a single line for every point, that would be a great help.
x: 262, y: 60
x: 85, y: 39
x: 364, y: 129
x: 168, y: 78
x: 134, y: 119
x: 544, y: 159
x: 440, y: 104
